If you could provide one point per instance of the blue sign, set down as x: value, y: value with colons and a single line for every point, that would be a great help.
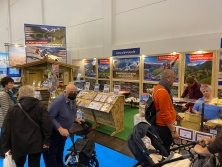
x: 130, y: 51
x: 221, y: 43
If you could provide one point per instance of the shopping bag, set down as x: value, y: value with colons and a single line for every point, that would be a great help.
x: 8, y: 161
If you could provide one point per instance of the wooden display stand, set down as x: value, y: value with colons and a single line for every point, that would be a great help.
x: 103, y: 109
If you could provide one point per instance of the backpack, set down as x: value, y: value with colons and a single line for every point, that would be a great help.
x: 150, y: 111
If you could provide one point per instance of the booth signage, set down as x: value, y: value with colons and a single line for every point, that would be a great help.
x: 221, y: 43
x: 130, y: 51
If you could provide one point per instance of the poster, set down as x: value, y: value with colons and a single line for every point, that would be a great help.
x: 43, y: 40
x: 3, y: 64
x: 220, y: 71
x: 90, y: 68
x: 199, y: 66
x: 154, y: 66
x: 17, y: 56
x: 55, y: 68
x: 104, y: 68
x: 126, y: 68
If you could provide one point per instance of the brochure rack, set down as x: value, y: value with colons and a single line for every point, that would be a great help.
x: 103, y: 108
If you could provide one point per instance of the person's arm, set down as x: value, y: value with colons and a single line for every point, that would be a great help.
x: 6, y: 133
x: 185, y: 92
x: 216, y: 145
x: 46, y: 125
x: 196, y: 108
x: 4, y: 101
x: 54, y: 110
x: 201, y: 150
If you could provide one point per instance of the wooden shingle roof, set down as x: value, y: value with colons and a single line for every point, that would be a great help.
x: 43, y: 61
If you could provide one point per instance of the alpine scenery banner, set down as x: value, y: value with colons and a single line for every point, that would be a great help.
x: 43, y: 40
x: 90, y: 68
x: 154, y: 66
x: 126, y: 68
x: 199, y: 66
x: 104, y: 68
x: 16, y: 56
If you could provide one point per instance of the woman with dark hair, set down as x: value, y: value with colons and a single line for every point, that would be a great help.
x: 6, y: 97
x: 6, y: 100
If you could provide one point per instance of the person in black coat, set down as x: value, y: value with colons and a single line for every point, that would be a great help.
x: 20, y: 135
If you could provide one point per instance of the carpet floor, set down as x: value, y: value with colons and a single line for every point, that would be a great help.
x: 128, y: 124
x: 105, y: 156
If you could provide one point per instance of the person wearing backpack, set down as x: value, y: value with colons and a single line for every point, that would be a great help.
x: 166, y: 115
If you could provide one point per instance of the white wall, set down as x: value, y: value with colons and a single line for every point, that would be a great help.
x: 95, y: 28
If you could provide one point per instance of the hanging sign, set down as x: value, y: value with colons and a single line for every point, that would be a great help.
x: 130, y: 51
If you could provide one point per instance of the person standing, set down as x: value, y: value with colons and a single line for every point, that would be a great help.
x: 6, y: 100
x: 6, y: 97
x: 20, y: 136
x: 63, y: 113
x: 193, y: 91
x: 166, y: 115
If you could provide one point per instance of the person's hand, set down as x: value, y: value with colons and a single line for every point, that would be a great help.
x: 63, y: 132
x: 45, y: 146
x: 9, y: 152
x: 184, y: 106
x: 175, y: 135
x: 204, y: 140
x: 196, y: 112
x: 78, y: 120
x: 197, y: 149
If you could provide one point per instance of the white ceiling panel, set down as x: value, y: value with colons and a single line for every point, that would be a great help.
x: 126, y: 5
x: 86, y: 35
x: 71, y: 12
x: 174, y: 18
x: 3, y: 20
x: 24, y: 12
x: 3, y: 39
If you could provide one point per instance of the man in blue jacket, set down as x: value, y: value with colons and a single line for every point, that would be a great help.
x: 63, y: 113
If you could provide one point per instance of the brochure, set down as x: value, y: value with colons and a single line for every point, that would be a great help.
x: 97, y: 98
x: 103, y: 98
x: 106, y: 88
x: 116, y: 89
x: 95, y: 105
x: 110, y: 99
x: 87, y: 86
x: 96, y: 89
x: 143, y: 97
x: 105, y: 107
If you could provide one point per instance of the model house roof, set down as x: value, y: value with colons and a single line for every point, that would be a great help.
x: 45, y: 60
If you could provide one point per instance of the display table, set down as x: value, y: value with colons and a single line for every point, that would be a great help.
x: 103, y: 109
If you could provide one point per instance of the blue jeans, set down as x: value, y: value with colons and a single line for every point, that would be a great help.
x: 53, y: 157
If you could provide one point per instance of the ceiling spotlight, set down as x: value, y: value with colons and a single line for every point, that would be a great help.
x: 174, y: 53
x: 94, y: 58
x: 16, y: 45
x: 199, y: 52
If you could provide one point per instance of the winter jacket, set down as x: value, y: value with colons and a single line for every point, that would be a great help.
x: 5, y: 103
x: 22, y: 136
